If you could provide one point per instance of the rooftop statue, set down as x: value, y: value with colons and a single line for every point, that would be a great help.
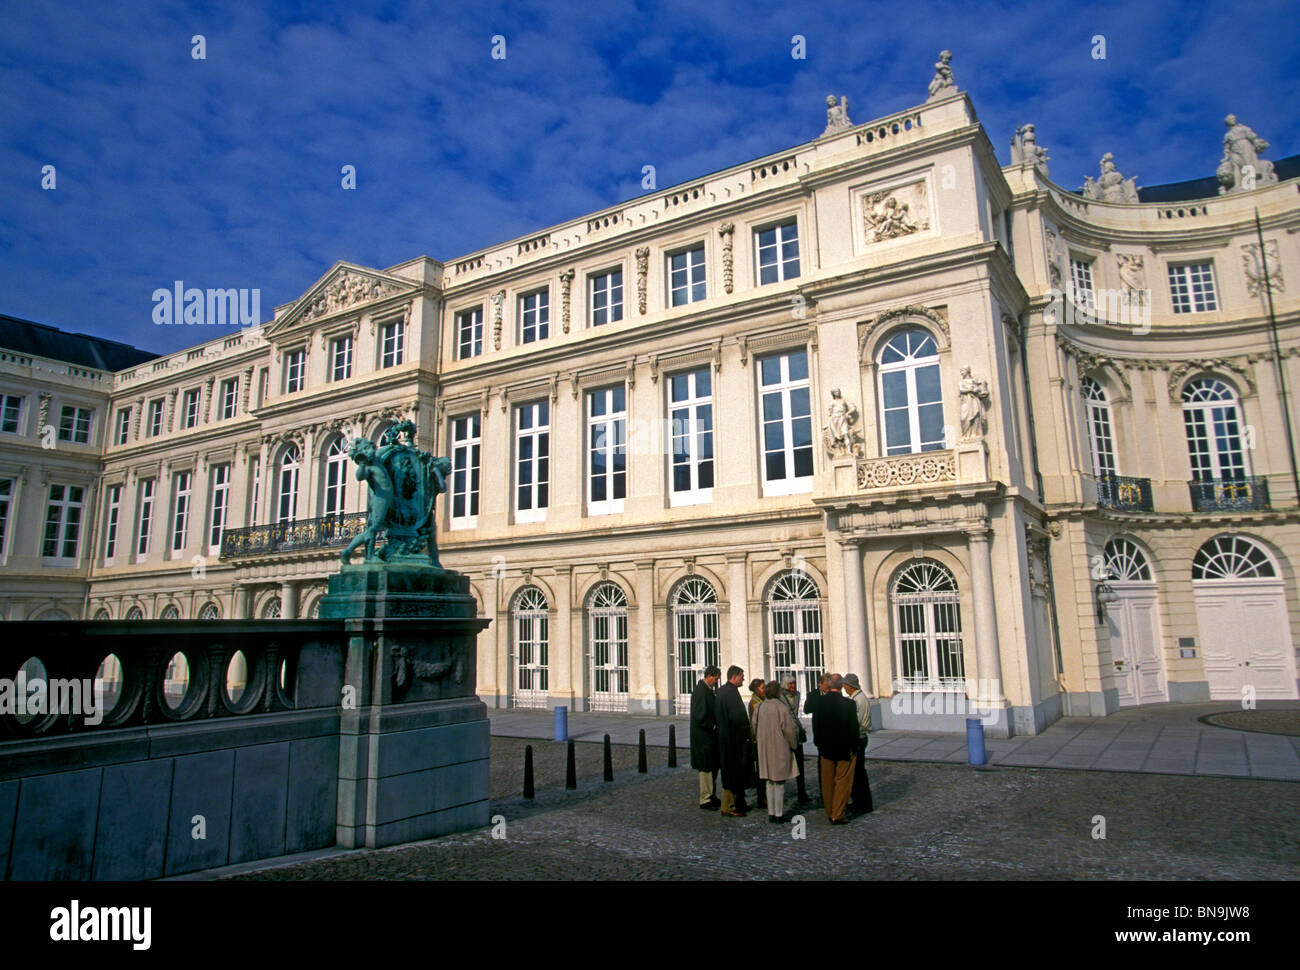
x: 1111, y: 186
x: 837, y: 115
x: 1241, y: 168
x: 942, y: 83
x: 1025, y: 149
x: 404, y: 484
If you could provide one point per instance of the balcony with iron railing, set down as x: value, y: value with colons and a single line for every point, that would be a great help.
x: 326, y: 532
x: 1122, y: 493
x: 1246, y: 494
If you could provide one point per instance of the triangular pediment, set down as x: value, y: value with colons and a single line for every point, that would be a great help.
x: 346, y: 288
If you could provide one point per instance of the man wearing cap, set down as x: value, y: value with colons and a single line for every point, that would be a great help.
x: 835, y: 732
x: 861, y: 786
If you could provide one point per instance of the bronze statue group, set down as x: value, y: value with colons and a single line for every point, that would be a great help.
x: 762, y: 747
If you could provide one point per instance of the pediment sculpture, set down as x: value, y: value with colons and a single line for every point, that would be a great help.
x: 1110, y: 186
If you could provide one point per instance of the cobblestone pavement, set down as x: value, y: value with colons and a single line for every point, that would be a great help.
x: 932, y: 821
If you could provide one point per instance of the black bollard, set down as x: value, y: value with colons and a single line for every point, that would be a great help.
x: 528, y: 771
x: 640, y: 753
x: 672, y: 746
x: 571, y: 771
x: 609, y: 761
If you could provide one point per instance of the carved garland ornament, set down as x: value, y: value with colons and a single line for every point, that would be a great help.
x: 1236, y: 365
x: 566, y: 290
x: 727, y: 232
x: 642, y: 268
x: 347, y: 289
x: 938, y: 317
x: 923, y: 469
x: 498, y: 305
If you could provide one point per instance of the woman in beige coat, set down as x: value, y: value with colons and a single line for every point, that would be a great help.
x: 777, y: 735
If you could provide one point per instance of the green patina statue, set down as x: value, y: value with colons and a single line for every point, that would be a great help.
x: 404, y: 485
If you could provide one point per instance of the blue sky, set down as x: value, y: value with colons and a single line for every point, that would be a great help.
x: 225, y: 172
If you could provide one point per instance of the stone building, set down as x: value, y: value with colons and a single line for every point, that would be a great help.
x: 876, y: 403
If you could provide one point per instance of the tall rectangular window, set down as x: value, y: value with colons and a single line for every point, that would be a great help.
x: 534, y: 316
x: 295, y: 370
x: 1081, y: 290
x: 180, y: 510
x: 1192, y: 288
x: 686, y: 277
x: 606, y: 300
x: 469, y: 333
x: 263, y: 385
x: 11, y: 410
x: 786, y: 416
x: 255, y: 491
x: 392, y: 344
x: 341, y: 359
x: 532, y: 461
x: 123, y: 425
x: 63, y: 522
x: 466, y: 444
x: 220, y: 501
x: 6, y: 499
x: 190, y: 409
x: 155, y: 418
x: 690, y: 402
x: 74, y: 425
x: 229, y: 398
x: 606, y: 450
x: 113, y: 510
x: 778, y: 252
x: 146, y: 519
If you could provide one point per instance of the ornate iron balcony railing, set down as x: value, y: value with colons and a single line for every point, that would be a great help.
x: 1124, y: 494
x: 324, y: 533
x: 1230, y: 494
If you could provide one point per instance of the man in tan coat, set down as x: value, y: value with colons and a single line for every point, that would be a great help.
x: 777, y: 735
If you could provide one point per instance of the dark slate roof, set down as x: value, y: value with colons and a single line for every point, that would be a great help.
x: 38, y: 340
x: 1208, y: 187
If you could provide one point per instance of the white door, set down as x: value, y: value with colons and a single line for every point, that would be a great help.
x: 1135, y: 646
x: 1246, y: 639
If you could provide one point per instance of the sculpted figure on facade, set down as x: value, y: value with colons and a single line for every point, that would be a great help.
x: 498, y: 304
x: 942, y: 83
x: 1133, y: 274
x: 841, y: 416
x: 974, y: 401
x: 837, y: 115
x: 1241, y: 168
x: 1110, y: 186
x: 886, y: 217
x: 404, y: 485
x: 1025, y: 149
x: 1055, y: 259
x: 642, y: 268
x: 1255, y: 275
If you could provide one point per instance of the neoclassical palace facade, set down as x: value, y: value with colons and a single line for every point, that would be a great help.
x: 876, y: 404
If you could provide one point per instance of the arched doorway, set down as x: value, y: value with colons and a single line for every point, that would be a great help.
x: 1136, y: 647
x: 794, y: 614
x: 531, y: 628
x: 695, y: 636
x: 607, y: 629
x: 927, y: 628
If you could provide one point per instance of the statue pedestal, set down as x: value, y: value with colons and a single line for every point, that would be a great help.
x: 972, y: 461
x: 413, y: 736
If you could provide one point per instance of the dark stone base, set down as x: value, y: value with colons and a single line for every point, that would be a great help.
x: 377, y: 590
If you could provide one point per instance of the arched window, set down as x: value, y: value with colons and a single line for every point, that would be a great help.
x: 911, y: 398
x: 271, y: 611
x: 532, y: 639
x: 336, y: 477
x: 135, y: 613
x: 695, y: 636
x: 169, y: 612
x: 1099, y: 437
x: 1213, y: 431
x: 607, y: 621
x: 794, y: 614
x: 102, y: 614
x: 927, y: 628
x: 1126, y: 563
x: 288, y: 493
x: 209, y: 611
x: 1232, y: 557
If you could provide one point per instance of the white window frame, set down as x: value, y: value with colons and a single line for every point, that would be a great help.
x: 219, y: 507
x: 341, y: 358
x: 785, y: 387
x: 537, y: 464
x: 11, y: 410
x: 286, y: 492
x: 156, y: 417
x: 531, y: 673
x: 1199, y: 292
x: 123, y: 425
x: 190, y: 408
x: 930, y: 606
x: 696, y: 637
x: 295, y: 370
x: 334, y: 495
x: 607, y: 629
x: 67, y: 512
x: 796, y: 628
x: 6, y: 503
x: 1201, y: 423
x: 688, y: 438
x: 779, y: 260
x: 607, y: 435
x: 606, y: 292
x: 469, y: 332
x: 256, y: 490
x: 229, y: 398
x: 466, y: 439
x: 182, y: 485
x: 695, y: 274
x: 1082, y: 292
x: 392, y: 352
x: 1101, y: 440
x: 112, y: 516
x: 909, y: 366
x: 75, y: 421
x: 144, y: 524
x: 536, y: 318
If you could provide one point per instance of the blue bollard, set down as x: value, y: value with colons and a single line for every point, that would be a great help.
x: 561, y: 724
x: 975, y: 741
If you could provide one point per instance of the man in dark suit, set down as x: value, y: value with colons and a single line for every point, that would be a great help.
x: 733, y: 736
x: 835, y: 732
x: 704, y: 736
x: 810, y: 707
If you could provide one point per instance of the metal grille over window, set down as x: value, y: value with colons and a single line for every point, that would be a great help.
x: 695, y: 628
x: 795, y: 619
x: 927, y: 628
x: 607, y: 620
x: 532, y: 639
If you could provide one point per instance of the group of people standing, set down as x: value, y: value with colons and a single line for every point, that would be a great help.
x: 762, y: 748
